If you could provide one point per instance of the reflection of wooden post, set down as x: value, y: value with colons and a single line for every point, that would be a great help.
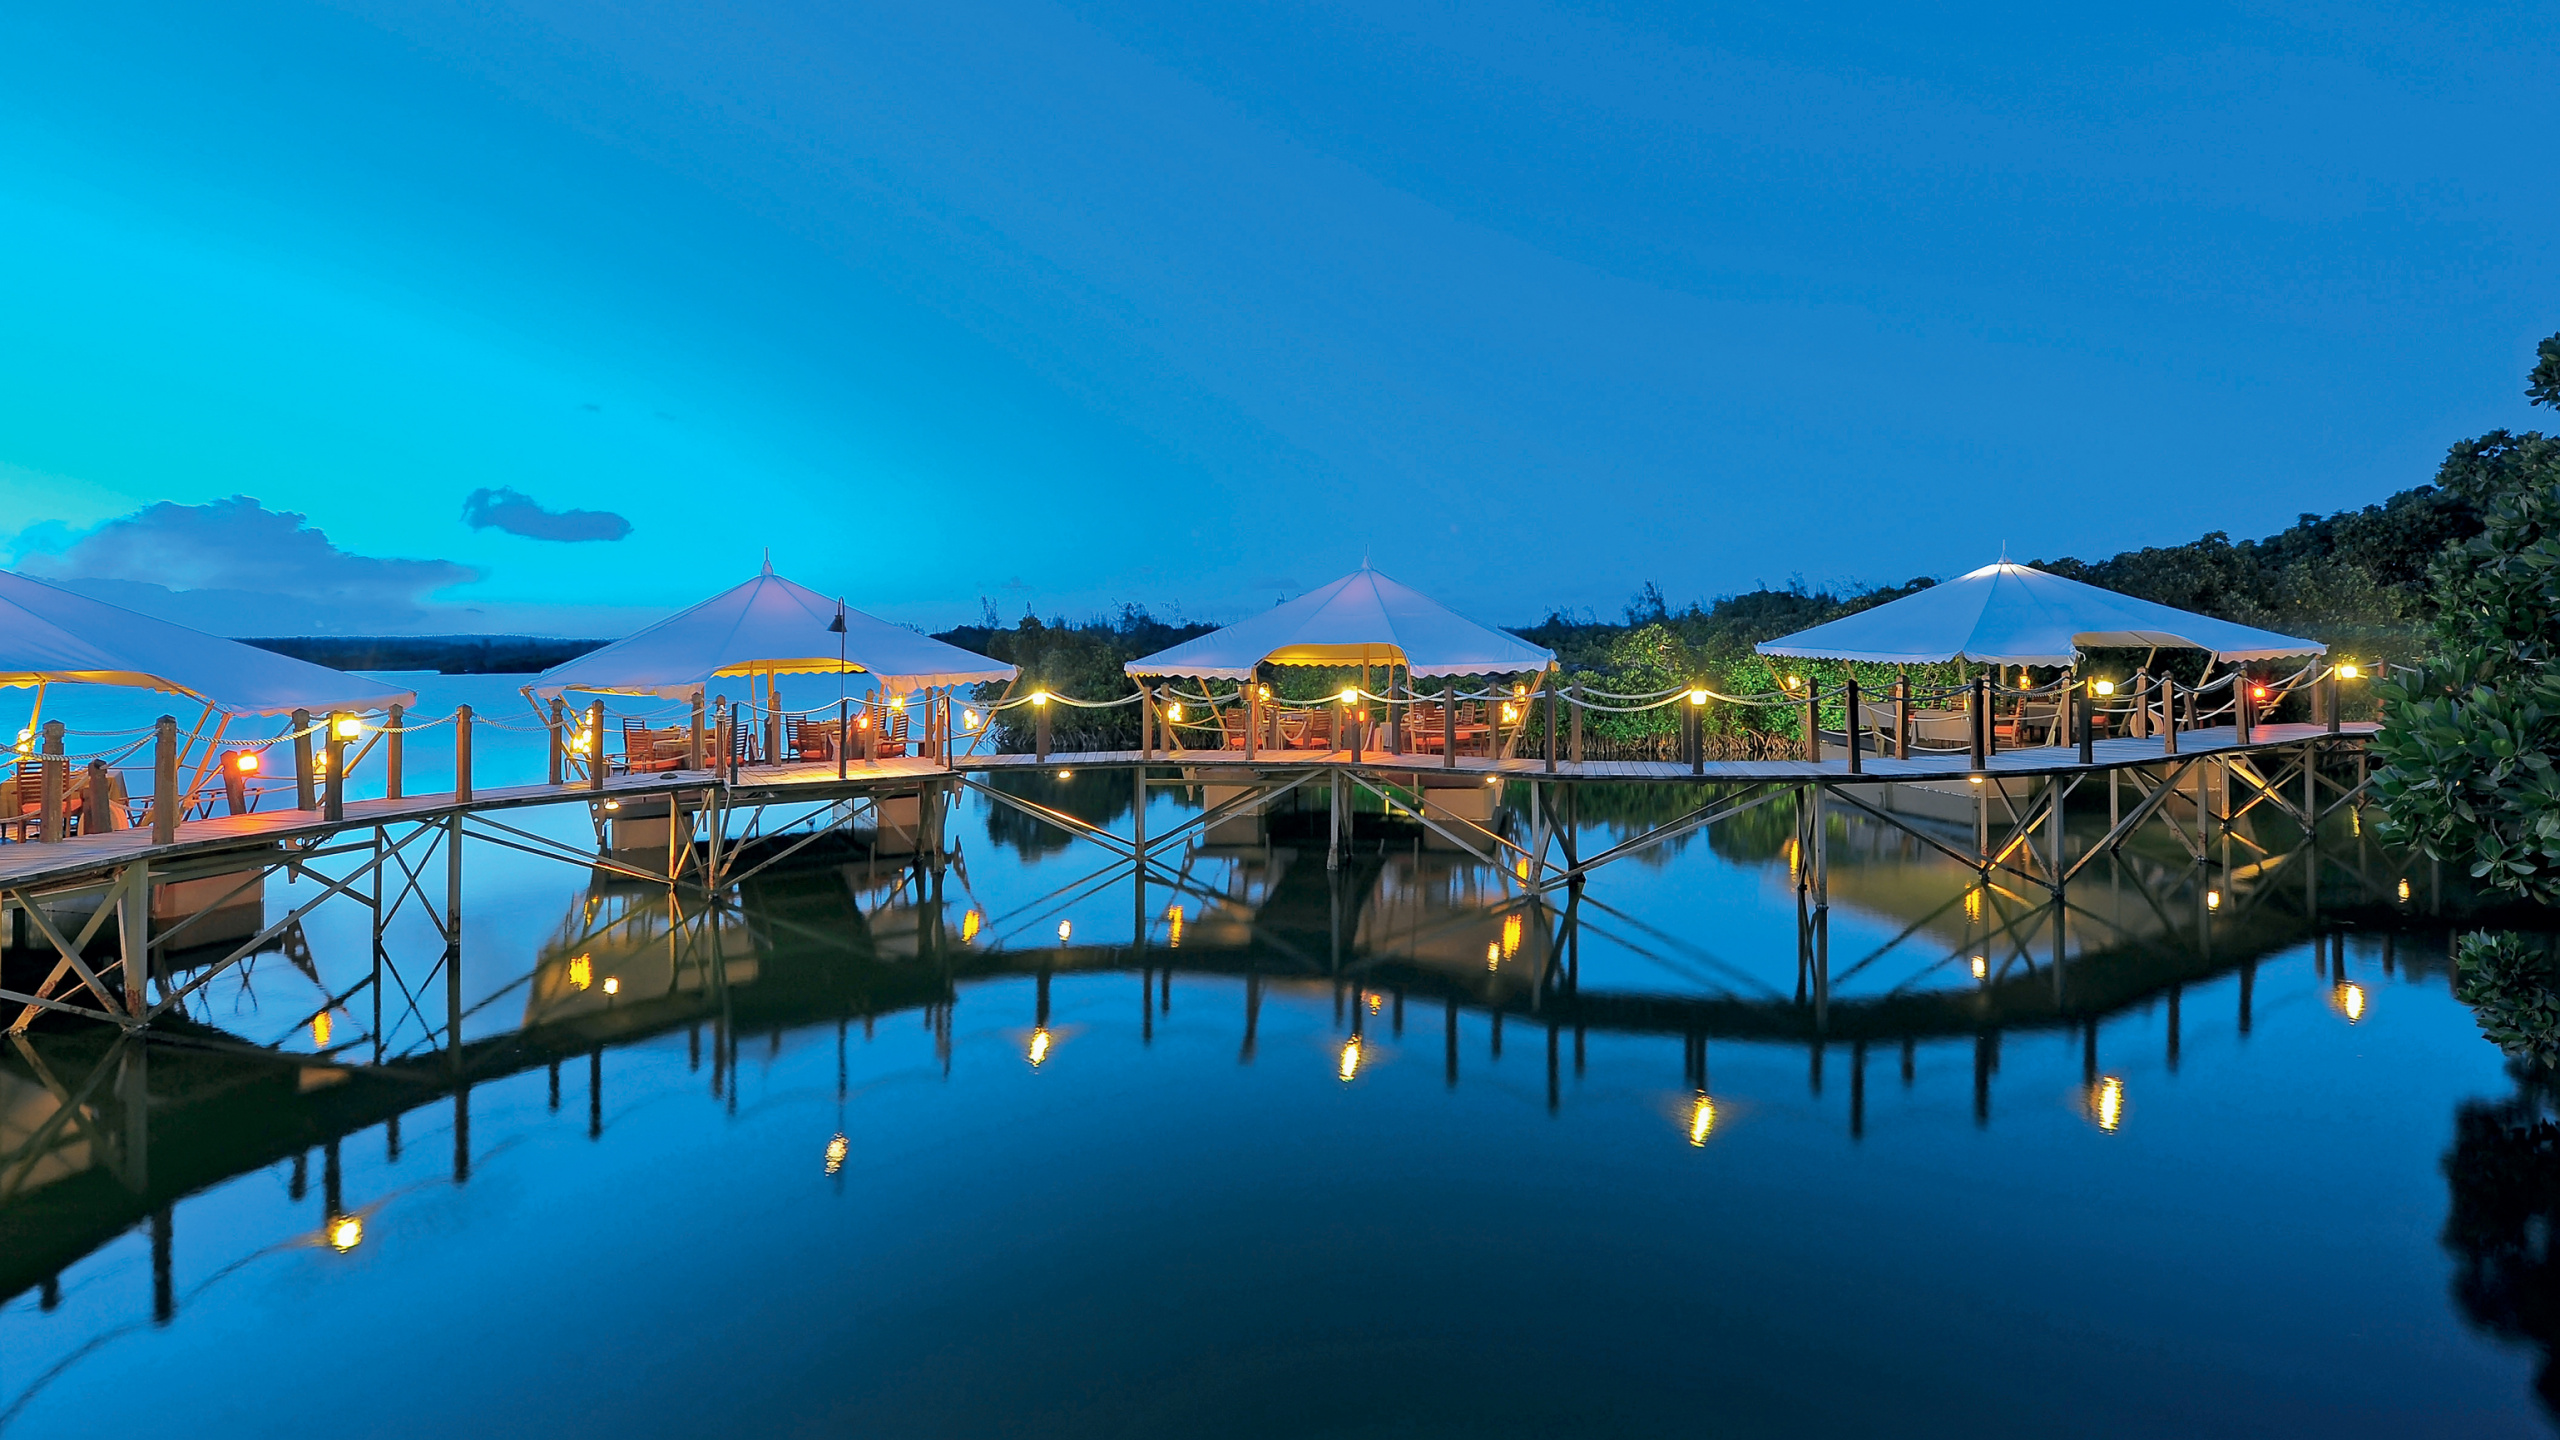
x: 394, y: 744
x: 166, y: 802
x: 462, y: 754
x: 56, y: 770
x: 306, y: 795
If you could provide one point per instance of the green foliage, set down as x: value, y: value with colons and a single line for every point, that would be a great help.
x: 1081, y: 661
x: 2470, y: 742
x: 2506, y: 979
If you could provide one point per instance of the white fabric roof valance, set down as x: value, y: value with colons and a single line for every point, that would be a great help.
x: 51, y: 634
x: 766, y: 624
x: 2009, y: 614
x: 1362, y: 618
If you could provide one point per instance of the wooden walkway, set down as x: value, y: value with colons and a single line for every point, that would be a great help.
x: 87, y: 859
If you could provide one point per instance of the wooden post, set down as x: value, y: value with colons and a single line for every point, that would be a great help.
x: 235, y: 784
x: 2081, y: 705
x: 2168, y: 715
x: 1576, y: 737
x: 1252, y: 716
x: 693, y: 736
x: 2142, y: 705
x: 99, y: 812
x: 1978, y: 704
x: 844, y: 733
x: 166, y: 802
x: 1552, y: 727
x: 1693, y: 726
x: 1813, y: 722
x: 558, y: 770
x: 50, y: 822
x: 719, y: 756
x: 461, y: 754
x: 595, y: 745
x: 1449, y: 723
x: 2240, y: 706
x: 393, y: 743
x: 334, y: 787
x: 1902, y: 716
x: 1040, y: 726
x: 306, y: 795
x: 1849, y: 697
x: 133, y: 935
x: 2330, y: 684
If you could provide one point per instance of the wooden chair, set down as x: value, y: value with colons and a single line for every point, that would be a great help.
x: 2032, y: 723
x: 813, y: 739
x: 1422, y: 733
x: 645, y: 751
x: 1231, y: 727
x: 889, y: 733
x: 25, y: 819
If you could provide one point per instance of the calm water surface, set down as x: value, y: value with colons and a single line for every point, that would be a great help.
x: 1396, y: 1153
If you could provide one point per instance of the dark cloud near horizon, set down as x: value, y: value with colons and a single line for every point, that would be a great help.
x: 520, y: 514
x: 233, y: 566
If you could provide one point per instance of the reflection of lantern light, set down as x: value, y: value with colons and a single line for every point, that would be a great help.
x: 969, y: 924
x: 1520, y: 868
x: 1039, y: 1046
x: 581, y: 973
x: 1173, y: 926
x: 345, y: 1232
x: 320, y: 1028
x: 612, y: 985
x: 1973, y: 904
x: 1492, y: 956
x: 2350, y: 998
x: 1350, y: 1058
x: 897, y: 702
x: 1065, y: 929
x: 1510, y: 936
x: 1981, y: 968
x: 2213, y: 899
x: 2404, y: 891
x: 1702, y: 1119
x: 2106, y: 1103
x: 836, y: 1149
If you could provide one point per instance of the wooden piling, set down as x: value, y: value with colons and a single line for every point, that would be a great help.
x: 595, y: 745
x: 1550, y: 697
x: 2329, y: 683
x: 2168, y: 716
x: 462, y: 754
x: 1902, y: 717
x: 2081, y: 701
x: 1849, y: 697
x: 1449, y: 723
x: 50, y: 821
x: 1978, y: 732
x: 1251, y: 694
x: 393, y: 743
x: 333, y: 789
x: 1040, y: 727
x: 1576, y: 739
x: 693, y: 735
x: 1813, y: 722
x: 558, y: 771
x: 166, y: 802
x: 306, y: 795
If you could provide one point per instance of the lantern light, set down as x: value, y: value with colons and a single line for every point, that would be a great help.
x: 1702, y: 1119
x: 1350, y: 1064
x: 2348, y: 672
x: 246, y: 762
x: 1039, y: 1050
x: 2102, y: 688
x: 1173, y: 713
x: 1065, y: 929
x: 1981, y: 968
x: 1039, y: 697
x: 1697, y: 697
x: 1350, y: 694
x: 2106, y: 1103
x: 2213, y: 899
x: 347, y: 727
x: 2257, y: 692
x: 613, y: 984
x: 345, y: 1232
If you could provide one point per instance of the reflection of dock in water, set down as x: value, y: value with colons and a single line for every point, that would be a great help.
x: 103, y: 1134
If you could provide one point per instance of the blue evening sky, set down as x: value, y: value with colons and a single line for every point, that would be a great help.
x: 1072, y: 304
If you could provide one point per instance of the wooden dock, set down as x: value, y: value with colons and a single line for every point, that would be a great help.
x: 38, y: 867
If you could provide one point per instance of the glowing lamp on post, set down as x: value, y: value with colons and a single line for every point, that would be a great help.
x: 1795, y: 682
x: 1351, y: 695
x: 246, y: 762
x: 968, y: 719
x: 1173, y: 713
x: 2348, y: 672
x: 347, y: 728
x: 2213, y: 899
x: 1697, y: 697
x: 1039, y: 697
x: 2102, y: 688
x: 2257, y: 692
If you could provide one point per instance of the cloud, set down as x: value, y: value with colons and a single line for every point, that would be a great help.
x: 520, y: 514
x: 235, y: 567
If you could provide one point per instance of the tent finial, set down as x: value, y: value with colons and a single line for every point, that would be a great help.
x: 768, y: 559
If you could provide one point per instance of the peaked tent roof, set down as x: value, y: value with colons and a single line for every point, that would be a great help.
x: 768, y: 623
x: 2009, y: 614
x: 49, y: 633
x: 1362, y: 617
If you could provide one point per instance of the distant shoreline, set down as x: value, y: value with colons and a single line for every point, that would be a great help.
x: 445, y: 654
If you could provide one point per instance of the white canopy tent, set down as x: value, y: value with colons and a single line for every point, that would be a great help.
x: 2009, y: 614
x: 1363, y: 618
x: 49, y: 634
x: 767, y: 626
